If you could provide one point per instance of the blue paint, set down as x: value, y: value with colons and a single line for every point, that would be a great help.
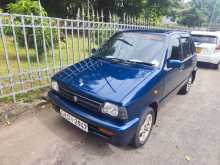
x: 129, y: 85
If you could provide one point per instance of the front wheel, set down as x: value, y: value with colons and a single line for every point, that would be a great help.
x: 144, y: 128
x: 186, y: 88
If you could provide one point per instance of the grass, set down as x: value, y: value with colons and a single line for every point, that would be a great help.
x: 25, y: 97
x: 73, y: 57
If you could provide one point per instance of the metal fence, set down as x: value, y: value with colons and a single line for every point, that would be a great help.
x: 33, y: 48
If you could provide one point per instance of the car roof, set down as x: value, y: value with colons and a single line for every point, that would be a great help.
x: 206, y: 33
x: 159, y: 31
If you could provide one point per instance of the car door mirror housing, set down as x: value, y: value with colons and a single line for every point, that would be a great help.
x: 174, y: 63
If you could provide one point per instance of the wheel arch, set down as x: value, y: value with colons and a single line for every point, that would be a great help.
x: 193, y: 76
x: 154, y: 106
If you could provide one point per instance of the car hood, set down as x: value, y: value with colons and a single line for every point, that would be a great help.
x: 103, y: 79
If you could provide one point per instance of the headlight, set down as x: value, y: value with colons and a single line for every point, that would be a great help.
x: 110, y: 109
x: 54, y: 85
x: 114, y: 110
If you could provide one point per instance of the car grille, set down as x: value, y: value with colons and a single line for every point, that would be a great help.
x: 80, y: 100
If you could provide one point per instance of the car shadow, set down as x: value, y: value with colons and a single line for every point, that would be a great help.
x: 73, y: 136
x: 203, y: 65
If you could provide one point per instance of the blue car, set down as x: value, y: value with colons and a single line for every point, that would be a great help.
x: 117, y: 92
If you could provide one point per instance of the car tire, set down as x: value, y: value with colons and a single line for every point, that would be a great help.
x: 144, y: 128
x: 186, y: 88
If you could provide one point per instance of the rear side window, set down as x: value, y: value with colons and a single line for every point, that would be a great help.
x: 186, y: 50
x: 192, y: 46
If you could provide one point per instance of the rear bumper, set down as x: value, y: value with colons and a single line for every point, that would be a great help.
x: 123, y: 132
x: 213, y: 59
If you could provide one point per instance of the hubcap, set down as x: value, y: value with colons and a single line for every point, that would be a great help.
x: 145, y: 128
x: 189, y: 83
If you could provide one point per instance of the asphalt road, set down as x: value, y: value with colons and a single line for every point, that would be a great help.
x: 187, y: 132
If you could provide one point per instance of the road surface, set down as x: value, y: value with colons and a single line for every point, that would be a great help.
x: 187, y: 132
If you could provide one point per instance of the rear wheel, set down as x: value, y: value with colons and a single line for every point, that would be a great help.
x: 144, y: 128
x: 186, y: 88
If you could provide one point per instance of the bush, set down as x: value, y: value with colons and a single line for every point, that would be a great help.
x: 28, y: 7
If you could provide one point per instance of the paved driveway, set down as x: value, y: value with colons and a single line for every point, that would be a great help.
x: 187, y: 132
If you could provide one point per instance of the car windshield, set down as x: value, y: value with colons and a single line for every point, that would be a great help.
x: 204, y: 39
x: 134, y: 47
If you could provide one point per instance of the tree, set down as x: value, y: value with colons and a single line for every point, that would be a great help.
x: 200, y: 13
x: 153, y: 9
x: 136, y: 8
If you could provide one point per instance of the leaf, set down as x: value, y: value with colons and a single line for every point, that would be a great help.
x: 187, y: 157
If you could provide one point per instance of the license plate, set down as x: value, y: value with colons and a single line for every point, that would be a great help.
x: 77, y: 122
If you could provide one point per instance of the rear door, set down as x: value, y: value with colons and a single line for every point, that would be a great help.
x: 187, y: 56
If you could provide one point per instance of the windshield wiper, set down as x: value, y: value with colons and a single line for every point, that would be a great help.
x: 114, y: 59
x: 139, y: 62
x: 124, y: 41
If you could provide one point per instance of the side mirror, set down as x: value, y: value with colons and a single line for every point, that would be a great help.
x: 93, y: 50
x: 174, y: 63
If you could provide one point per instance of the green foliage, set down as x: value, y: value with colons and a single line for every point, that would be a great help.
x: 200, y: 13
x: 39, y: 38
x: 134, y: 8
x: 27, y: 7
x: 193, y: 17
x: 30, y: 7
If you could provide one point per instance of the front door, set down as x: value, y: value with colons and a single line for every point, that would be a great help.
x: 174, y: 76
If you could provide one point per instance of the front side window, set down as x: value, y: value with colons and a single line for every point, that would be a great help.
x: 175, y: 48
x: 135, y: 47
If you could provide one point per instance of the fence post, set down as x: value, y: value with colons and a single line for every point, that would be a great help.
x: 45, y: 49
x: 67, y: 42
x: 127, y: 22
x: 59, y: 44
x: 93, y: 29
x: 30, y: 72
x: 88, y: 31
x: 110, y: 24
x: 102, y: 21
x: 78, y: 35
x: 72, y: 35
x: 52, y: 45
x: 39, y: 71
x: 10, y: 75
x: 16, y: 52
x: 98, y: 35
x: 83, y: 30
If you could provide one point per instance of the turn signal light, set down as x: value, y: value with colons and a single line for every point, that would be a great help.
x: 104, y: 131
x: 217, y: 49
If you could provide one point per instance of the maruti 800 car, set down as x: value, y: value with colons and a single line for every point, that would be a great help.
x: 116, y: 93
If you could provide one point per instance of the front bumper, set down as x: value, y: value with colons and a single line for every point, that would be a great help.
x: 123, y: 132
